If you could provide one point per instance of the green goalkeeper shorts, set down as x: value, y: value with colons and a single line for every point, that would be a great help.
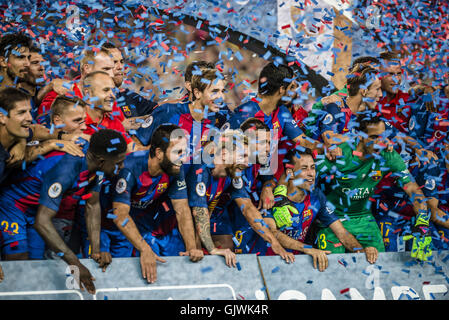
x: 363, y: 228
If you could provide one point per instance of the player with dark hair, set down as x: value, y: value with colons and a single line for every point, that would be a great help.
x: 82, y: 177
x: 275, y: 82
x: 14, y: 58
x: 350, y: 182
x: 147, y: 176
x: 297, y: 206
x: 193, y: 116
x: 132, y: 104
x: 336, y: 96
x: 207, y: 183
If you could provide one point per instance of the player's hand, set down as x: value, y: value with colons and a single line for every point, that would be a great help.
x: 104, y: 259
x: 334, y: 153
x: 134, y: 123
x: 283, y: 208
x: 61, y: 87
x: 194, y: 254
x: 2, y: 275
x: 371, y: 254
x: 229, y: 256
x: 333, y: 98
x: 86, y: 279
x: 318, y: 256
x: 423, y: 153
x: 69, y: 147
x: 148, y: 264
x: 266, y: 200
x: 17, y: 153
x: 284, y: 254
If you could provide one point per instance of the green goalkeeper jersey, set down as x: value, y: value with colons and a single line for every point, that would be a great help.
x: 350, y: 182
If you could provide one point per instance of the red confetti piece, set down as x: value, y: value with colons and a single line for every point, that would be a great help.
x: 199, y: 171
x: 165, y: 206
x: 344, y: 291
x: 14, y: 244
x: 357, y: 153
x: 336, y: 245
x: 86, y: 196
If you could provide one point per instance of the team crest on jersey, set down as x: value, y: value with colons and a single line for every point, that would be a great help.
x: 162, y: 187
x: 55, y: 190
x: 148, y: 121
x: 307, y: 214
x: 201, y: 189
x: 328, y: 119
x: 430, y: 184
x: 121, y: 185
x: 376, y: 175
x: 276, y: 125
x: 127, y: 111
x: 237, y: 183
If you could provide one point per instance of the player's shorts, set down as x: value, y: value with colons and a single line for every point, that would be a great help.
x: 170, y: 244
x: 440, y: 237
x: 363, y: 228
x: 393, y: 227
x: 18, y: 233
x: 220, y: 224
x: 112, y: 241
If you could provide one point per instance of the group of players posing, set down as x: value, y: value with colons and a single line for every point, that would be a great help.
x: 92, y: 170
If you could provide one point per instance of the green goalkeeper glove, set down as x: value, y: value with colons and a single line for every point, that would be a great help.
x: 282, y: 208
x: 422, y: 241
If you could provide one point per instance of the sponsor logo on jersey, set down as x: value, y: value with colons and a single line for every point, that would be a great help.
x: 181, y: 184
x: 121, y: 185
x: 226, y: 126
x: 55, y: 190
x: 148, y: 121
x: 161, y: 187
x: 412, y: 123
x: 376, y: 175
x: 201, y: 189
x: 358, y: 193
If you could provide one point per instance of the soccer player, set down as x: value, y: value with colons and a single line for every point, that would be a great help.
x: 132, y: 104
x: 314, y: 114
x: 14, y: 59
x: 208, y: 181
x: 275, y: 83
x: 305, y: 205
x: 83, y: 176
x: 98, y: 92
x: 350, y: 182
x: 192, y: 116
x: 91, y: 61
x: 21, y: 192
x: 194, y: 67
x: 147, y: 177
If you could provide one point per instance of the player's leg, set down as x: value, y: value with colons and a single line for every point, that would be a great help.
x: 172, y: 243
x: 36, y: 245
x: 391, y: 227
x: 13, y: 226
x: 327, y: 240
x: 221, y: 229
x: 120, y: 247
x: 366, y: 231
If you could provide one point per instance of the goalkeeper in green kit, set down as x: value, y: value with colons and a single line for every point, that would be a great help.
x: 349, y: 184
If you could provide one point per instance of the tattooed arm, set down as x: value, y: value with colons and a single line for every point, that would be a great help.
x: 202, y: 222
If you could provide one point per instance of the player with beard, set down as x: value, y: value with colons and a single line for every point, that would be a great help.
x: 14, y: 59
x: 132, y: 104
x: 206, y: 182
x: 129, y: 219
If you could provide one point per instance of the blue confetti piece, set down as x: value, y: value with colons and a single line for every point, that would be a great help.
x: 115, y: 141
x: 125, y: 222
x: 111, y: 216
x: 60, y: 254
x: 206, y: 269
x: 276, y: 269
x: 238, y: 266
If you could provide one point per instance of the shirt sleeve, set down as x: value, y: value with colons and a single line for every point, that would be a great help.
x: 141, y: 105
x: 178, y: 187
x: 428, y: 178
x: 332, y: 119
x: 196, y: 180
x: 58, y: 180
x: 397, y: 166
x: 147, y: 128
x: 237, y: 189
x: 123, y: 186
x: 291, y: 128
x: 325, y: 214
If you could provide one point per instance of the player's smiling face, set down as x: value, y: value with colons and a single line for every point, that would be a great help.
x: 119, y: 66
x: 18, y: 122
x: 374, y: 94
x: 101, y: 92
x: 72, y: 120
x: 174, y: 156
x: 213, y: 95
x: 304, y: 172
x: 391, y: 76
